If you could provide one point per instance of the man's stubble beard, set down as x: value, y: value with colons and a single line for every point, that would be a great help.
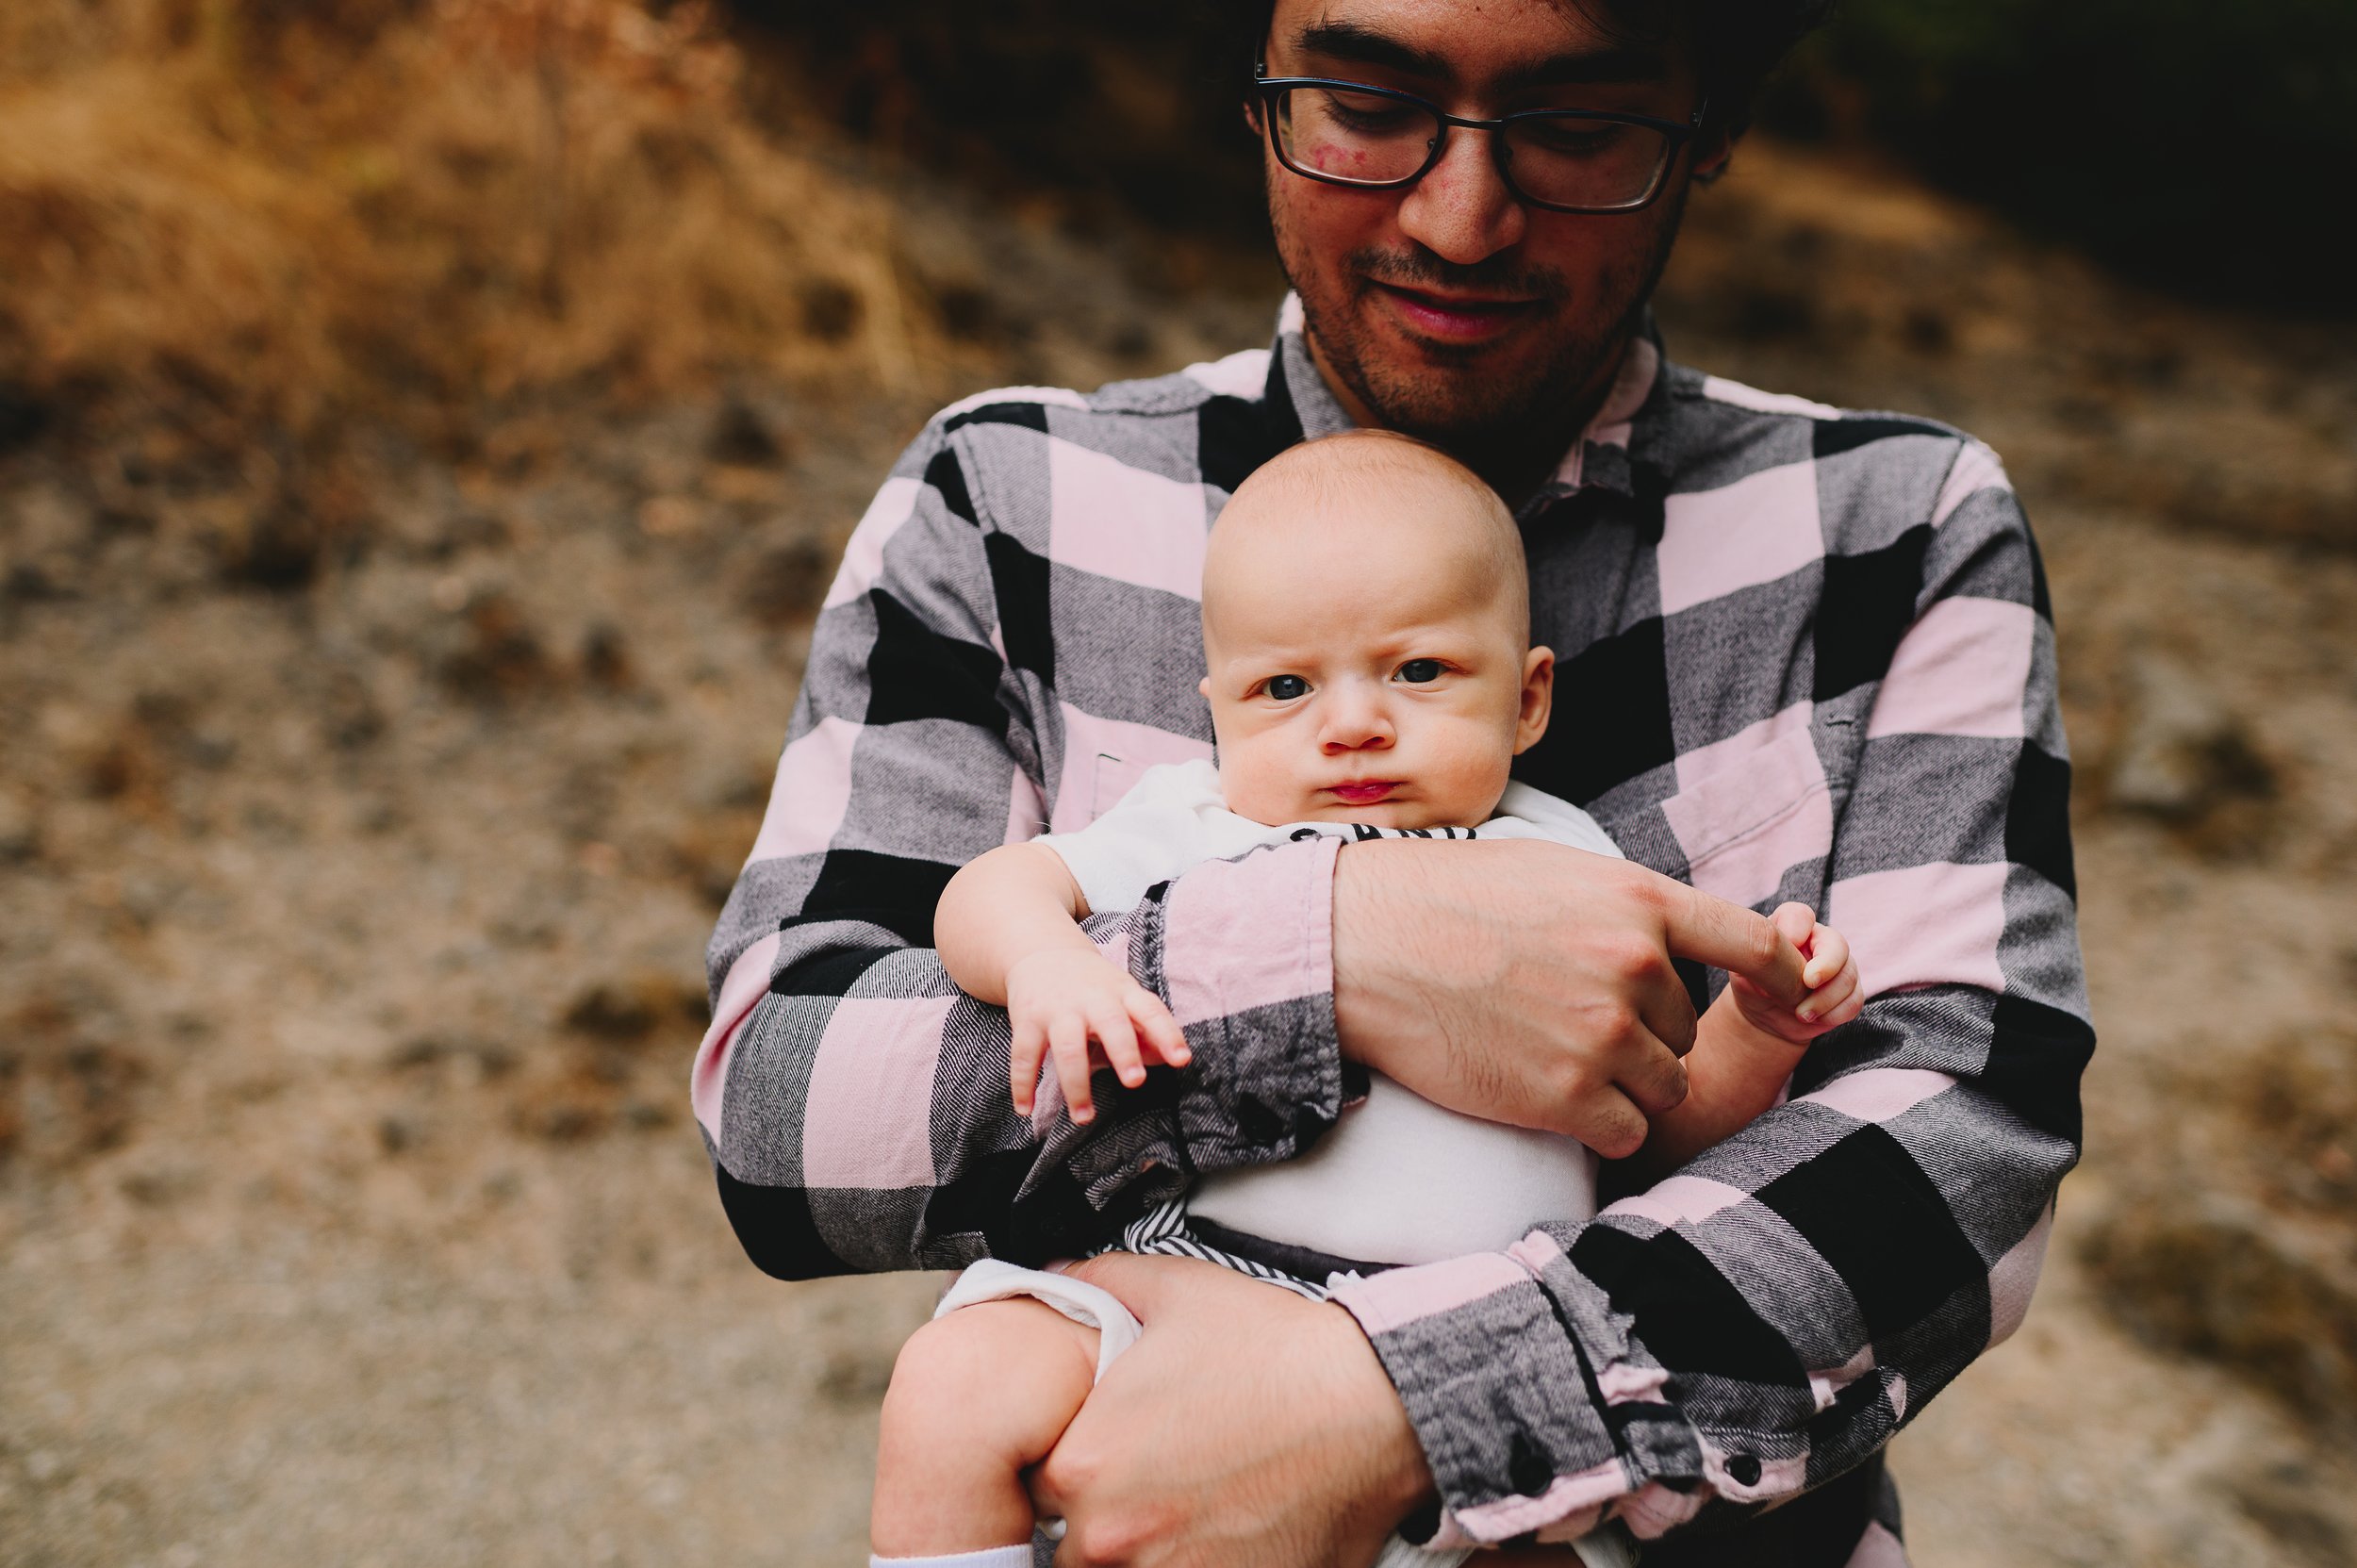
x: 1504, y: 427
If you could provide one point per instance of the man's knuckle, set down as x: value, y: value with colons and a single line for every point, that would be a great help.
x: 1618, y: 1138
x: 1106, y: 1539
x: 1617, y: 1024
x: 1633, y: 958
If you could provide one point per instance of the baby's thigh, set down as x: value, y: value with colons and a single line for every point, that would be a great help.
x: 1009, y: 1373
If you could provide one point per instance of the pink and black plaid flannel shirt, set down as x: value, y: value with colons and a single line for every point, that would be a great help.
x: 1805, y: 654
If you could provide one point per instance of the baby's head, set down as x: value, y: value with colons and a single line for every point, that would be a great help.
x: 1366, y: 617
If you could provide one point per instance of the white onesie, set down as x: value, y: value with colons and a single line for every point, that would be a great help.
x: 1398, y: 1179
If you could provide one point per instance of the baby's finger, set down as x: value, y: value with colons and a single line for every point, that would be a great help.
x: 1119, y: 1039
x: 1828, y: 951
x: 1024, y: 1054
x: 1068, y: 1043
x: 1819, y: 1005
x: 1160, y: 1030
x: 1847, y: 1009
x: 1794, y: 922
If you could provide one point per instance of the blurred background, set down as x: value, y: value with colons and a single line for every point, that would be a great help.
x: 426, y: 429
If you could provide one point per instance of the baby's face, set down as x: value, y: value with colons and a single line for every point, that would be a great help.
x: 1364, y: 671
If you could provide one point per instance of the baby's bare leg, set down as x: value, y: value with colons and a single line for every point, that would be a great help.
x: 976, y: 1396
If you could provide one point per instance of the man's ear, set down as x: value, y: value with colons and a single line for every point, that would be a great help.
x: 1712, y: 149
x: 1538, y: 699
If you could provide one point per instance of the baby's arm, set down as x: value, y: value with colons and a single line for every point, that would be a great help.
x: 977, y: 1397
x: 1007, y: 929
x: 1746, y: 1045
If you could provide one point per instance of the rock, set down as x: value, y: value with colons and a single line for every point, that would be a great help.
x: 605, y: 656
x: 831, y: 309
x: 2181, y: 755
x: 2217, y: 1275
x: 743, y: 437
x: 635, y: 1009
x: 489, y: 652
x: 787, y: 583
x: 20, y: 829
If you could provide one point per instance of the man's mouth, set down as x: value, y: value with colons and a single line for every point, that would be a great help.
x: 1456, y: 318
x: 1366, y: 792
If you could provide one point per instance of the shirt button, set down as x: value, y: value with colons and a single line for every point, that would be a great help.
x: 1527, y: 1470
x: 1259, y: 1123
x: 1744, y: 1468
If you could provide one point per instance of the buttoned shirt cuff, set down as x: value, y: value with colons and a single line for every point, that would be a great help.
x: 1537, y: 1414
x: 1242, y: 951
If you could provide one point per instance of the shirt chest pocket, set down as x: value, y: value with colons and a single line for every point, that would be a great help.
x: 1110, y: 778
x: 1753, y: 814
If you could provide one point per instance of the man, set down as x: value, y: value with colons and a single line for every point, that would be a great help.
x: 1804, y: 656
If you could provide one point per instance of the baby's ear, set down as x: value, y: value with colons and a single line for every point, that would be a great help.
x: 1204, y: 685
x: 1538, y: 699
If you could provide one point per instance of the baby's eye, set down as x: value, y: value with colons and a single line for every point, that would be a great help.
x: 1285, y: 688
x: 1417, y: 671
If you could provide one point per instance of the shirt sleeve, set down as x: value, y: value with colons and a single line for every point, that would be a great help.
x: 853, y: 1100
x: 1767, y: 1318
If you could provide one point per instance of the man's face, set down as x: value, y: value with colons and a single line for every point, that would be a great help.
x: 1450, y: 309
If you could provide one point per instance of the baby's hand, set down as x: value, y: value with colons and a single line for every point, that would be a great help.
x: 1060, y: 1001
x: 1834, y: 996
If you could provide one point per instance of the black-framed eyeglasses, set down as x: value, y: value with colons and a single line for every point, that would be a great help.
x: 1375, y: 138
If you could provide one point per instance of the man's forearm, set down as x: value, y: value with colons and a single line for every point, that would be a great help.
x: 1760, y: 1322
x: 856, y: 1102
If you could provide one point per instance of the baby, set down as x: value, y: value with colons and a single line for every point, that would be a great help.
x: 1367, y: 625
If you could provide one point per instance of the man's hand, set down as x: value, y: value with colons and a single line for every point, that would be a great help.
x: 1530, y: 983
x: 1246, y: 1429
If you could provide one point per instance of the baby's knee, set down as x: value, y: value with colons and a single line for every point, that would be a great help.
x: 1013, y: 1371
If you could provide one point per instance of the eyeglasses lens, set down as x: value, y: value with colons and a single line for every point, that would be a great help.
x: 1370, y: 138
x: 1590, y: 164
x: 1353, y: 138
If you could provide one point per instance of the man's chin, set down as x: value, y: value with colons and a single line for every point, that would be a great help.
x: 1440, y: 390
x: 1451, y: 407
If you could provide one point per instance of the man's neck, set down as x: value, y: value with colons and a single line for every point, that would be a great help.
x: 1520, y: 458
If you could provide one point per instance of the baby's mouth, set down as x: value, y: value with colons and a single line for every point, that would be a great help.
x: 1366, y: 792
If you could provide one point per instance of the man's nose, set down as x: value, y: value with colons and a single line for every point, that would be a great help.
x: 1461, y: 210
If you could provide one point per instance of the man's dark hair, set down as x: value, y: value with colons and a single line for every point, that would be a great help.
x: 1735, y: 44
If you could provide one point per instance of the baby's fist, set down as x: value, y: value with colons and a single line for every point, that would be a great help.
x: 1834, y: 994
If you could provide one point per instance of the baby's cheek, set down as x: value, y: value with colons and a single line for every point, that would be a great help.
x: 1470, y: 772
x: 1255, y: 785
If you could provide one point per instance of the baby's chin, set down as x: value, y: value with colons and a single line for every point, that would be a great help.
x: 1399, y: 815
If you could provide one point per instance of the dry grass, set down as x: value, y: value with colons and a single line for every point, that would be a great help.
x: 259, y: 223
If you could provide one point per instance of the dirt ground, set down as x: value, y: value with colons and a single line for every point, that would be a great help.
x: 349, y: 932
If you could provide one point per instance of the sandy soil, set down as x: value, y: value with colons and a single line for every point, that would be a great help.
x: 350, y: 936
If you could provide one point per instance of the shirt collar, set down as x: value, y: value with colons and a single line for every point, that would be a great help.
x: 1606, y: 456
x: 1622, y: 440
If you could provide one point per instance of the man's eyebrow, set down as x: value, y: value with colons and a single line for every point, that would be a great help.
x: 1613, y: 65
x: 1350, y: 41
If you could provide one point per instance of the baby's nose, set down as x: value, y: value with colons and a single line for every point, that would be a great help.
x: 1357, y: 726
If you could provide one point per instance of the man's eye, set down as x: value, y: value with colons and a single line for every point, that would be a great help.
x: 1417, y: 671
x: 1285, y: 688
